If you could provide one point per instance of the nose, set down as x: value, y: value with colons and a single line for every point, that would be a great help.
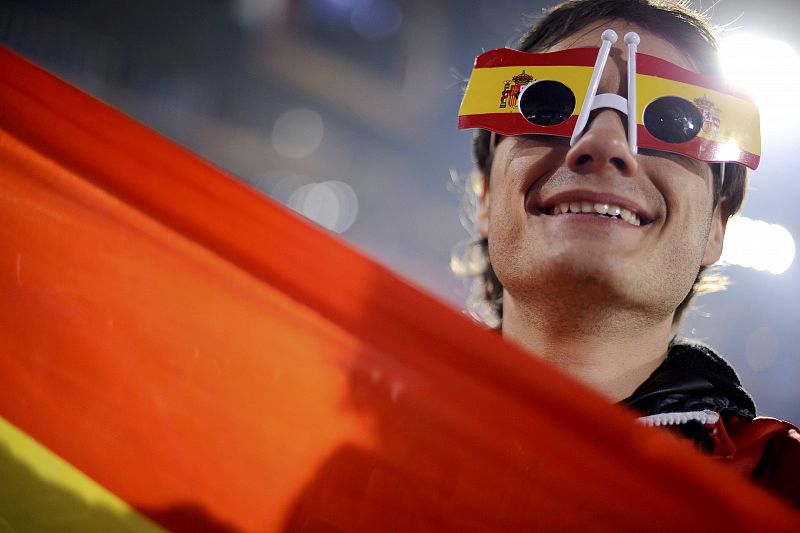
x: 603, y: 147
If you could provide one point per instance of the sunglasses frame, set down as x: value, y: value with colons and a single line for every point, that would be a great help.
x: 608, y: 103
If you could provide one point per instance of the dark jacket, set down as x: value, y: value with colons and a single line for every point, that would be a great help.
x: 697, y: 394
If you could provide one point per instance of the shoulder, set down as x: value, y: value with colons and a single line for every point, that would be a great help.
x: 770, y: 450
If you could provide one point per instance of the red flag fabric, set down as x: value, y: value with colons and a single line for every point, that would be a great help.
x: 211, y: 362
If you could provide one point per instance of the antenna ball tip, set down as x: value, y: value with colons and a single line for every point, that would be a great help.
x: 609, y: 35
x: 632, y: 38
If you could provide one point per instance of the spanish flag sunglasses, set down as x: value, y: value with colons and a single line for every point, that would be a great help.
x: 668, y: 108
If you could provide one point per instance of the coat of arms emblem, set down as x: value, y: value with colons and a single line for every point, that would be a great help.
x: 512, y: 88
x: 710, y: 112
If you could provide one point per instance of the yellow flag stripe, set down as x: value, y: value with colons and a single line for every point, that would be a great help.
x: 486, y: 86
x: 40, y: 491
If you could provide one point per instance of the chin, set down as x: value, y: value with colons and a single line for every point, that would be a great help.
x: 581, y: 280
x: 579, y: 267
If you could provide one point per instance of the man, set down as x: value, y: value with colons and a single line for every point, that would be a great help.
x: 598, y: 239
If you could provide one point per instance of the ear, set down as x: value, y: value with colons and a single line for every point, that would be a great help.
x: 482, y: 220
x: 716, y: 234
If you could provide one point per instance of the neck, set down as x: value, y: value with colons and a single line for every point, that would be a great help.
x: 611, y: 350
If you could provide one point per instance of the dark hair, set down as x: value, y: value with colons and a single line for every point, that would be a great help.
x: 675, y: 21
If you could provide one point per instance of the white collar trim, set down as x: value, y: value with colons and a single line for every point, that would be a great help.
x: 675, y: 419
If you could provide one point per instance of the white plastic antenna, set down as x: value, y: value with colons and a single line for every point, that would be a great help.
x: 609, y: 37
x: 632, y: 40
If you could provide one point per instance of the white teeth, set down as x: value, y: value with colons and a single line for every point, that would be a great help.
x: 631, y: 218
x: 598, y: 208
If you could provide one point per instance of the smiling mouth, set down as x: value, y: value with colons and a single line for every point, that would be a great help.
x: 596, y: 209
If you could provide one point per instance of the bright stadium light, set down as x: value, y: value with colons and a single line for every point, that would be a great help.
x: 759, y: 245
x: 769, y: 70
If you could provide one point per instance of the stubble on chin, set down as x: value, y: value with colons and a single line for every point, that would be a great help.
x: 572, y: 292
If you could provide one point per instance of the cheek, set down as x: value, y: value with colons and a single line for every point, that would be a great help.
x: 697, y: 199
x: 688, y: 193
x: 507, y: 216
x: 504, y: 223
x: 505, y: 232
x: 691, y: 234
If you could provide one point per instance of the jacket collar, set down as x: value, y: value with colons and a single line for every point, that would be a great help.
x: 692, y: 378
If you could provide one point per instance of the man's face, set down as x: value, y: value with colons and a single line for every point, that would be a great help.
x: 539, y: 252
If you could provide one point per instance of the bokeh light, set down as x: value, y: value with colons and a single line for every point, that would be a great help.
x: 331, y: 204
x: 759, y: 245
x: 251, y: 14
x: 768, y: 69
x: 376, y: 20
x: 297, y: 133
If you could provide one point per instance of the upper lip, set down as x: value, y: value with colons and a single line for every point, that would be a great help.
x: 546, y: 204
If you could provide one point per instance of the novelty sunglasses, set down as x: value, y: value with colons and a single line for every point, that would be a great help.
x: 668, y: 108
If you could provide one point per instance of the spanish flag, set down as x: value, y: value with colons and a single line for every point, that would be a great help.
x: 730, y: 120
x: 179, y: 353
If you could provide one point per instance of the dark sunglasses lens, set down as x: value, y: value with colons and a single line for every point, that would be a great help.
x: 547, y: 103
x: 672, y: 119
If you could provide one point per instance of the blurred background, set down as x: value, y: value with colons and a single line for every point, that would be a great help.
x: 345, y: 111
